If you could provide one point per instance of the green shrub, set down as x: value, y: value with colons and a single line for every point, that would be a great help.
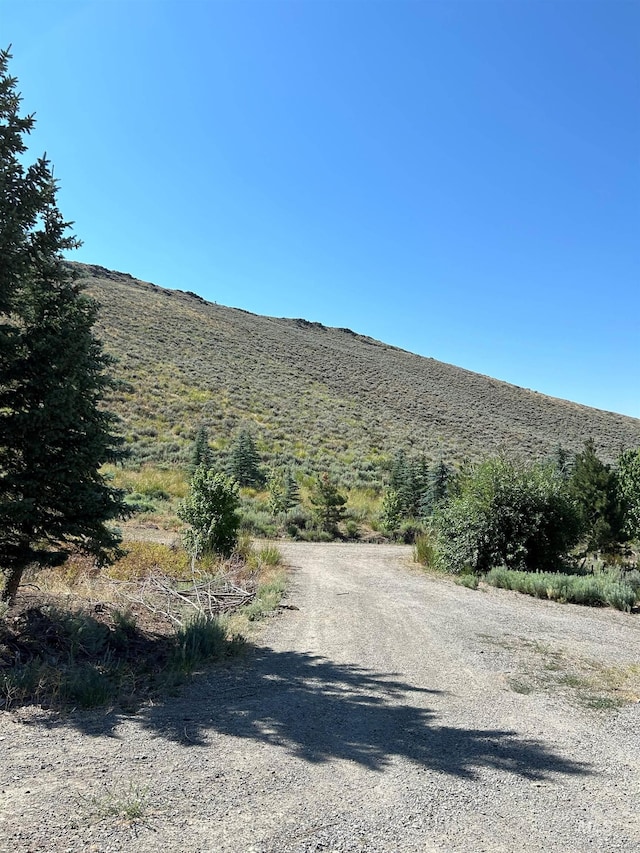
x: 269, y: 555
x: 211, y: 510
x: 468, y: 580
x: 593, y: 590
x: 517, y: 515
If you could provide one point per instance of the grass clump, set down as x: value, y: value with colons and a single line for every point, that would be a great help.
x: 267, y: 599
x: 150, y: 558
x: 424, y: 550
x: 130, y: 805
x: 604, y: 589
x: 202, y: 639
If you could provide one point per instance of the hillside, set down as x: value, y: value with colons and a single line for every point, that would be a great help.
x: 327, y: 396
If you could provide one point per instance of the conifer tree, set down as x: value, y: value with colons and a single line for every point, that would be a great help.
x: 594, y: 490
x: 244, y: 462
x: 54, y: 433
x: 201, y: 454
x: 328, y: 504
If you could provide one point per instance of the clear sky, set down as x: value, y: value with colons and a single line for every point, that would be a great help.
x: 461, y: 179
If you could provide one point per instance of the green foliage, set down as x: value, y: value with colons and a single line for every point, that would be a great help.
x: 244, y: 462
x: 425, y: 551
x: 201, y: 454
x: 517, y: 515
x: 284, y: 492
x: 54, y: 432
x: 594, y: 590
x: 268, y: 597
x: 593, y: 488
x: 328, y: 504
x: 628, y: 480
x: 469, y: 580
x: 203, y: 639
x: 269, y: 555
x: 211, y: 510
x: 439, y: 487
x: 392, y: 511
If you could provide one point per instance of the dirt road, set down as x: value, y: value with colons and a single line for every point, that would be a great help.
x: 390, y: 711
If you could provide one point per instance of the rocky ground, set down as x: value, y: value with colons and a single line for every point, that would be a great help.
x: 382, y: 710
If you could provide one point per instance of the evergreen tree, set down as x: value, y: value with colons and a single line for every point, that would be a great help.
x: 328, y: 504
x: 593, y: 487
x: 244, y: 462
x: 284, y: 493
x: 438, y: 487
x: 562, y: 459
x: 54, y: 433
x: 201, y: 454
x: 399, y: 471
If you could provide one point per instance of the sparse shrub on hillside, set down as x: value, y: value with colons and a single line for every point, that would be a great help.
x: 507, y: 513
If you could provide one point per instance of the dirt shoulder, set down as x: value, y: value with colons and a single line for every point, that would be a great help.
x: 389, y: 711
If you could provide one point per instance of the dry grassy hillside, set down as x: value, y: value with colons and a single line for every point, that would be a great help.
x: 328, y: 396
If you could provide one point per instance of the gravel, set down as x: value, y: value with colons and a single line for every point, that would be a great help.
x: 391, y: 711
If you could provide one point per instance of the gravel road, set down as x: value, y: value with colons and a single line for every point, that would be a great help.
x: 389, y: 711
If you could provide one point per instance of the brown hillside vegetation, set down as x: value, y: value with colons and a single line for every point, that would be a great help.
x: 323, y: 395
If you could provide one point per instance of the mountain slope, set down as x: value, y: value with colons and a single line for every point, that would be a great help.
x: 324, y: 395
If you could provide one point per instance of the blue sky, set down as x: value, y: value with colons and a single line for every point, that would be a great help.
x: 461, y: 179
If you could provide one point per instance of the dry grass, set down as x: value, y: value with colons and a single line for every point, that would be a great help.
x: 77, y: 636
x: 589, y: 683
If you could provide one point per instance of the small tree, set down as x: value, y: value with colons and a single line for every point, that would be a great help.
x: 244, y: 462
x: 54, y: 432
x: 284, y: 493
x: 392, y: 511
x: 211, y: 510
x: 328, y: 504
x: 593, y: 487
x: 628, y: 480
x: 201, y: 454
x: 438, y: 488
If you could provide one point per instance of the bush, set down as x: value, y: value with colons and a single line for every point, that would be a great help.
x: 594, y: 590
x: 211, y: 510
x: 508, y: 514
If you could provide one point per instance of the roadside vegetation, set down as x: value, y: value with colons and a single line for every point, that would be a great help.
x: 565, y: 530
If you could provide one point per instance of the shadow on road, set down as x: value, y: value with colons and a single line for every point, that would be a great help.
x: 321, y: 711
